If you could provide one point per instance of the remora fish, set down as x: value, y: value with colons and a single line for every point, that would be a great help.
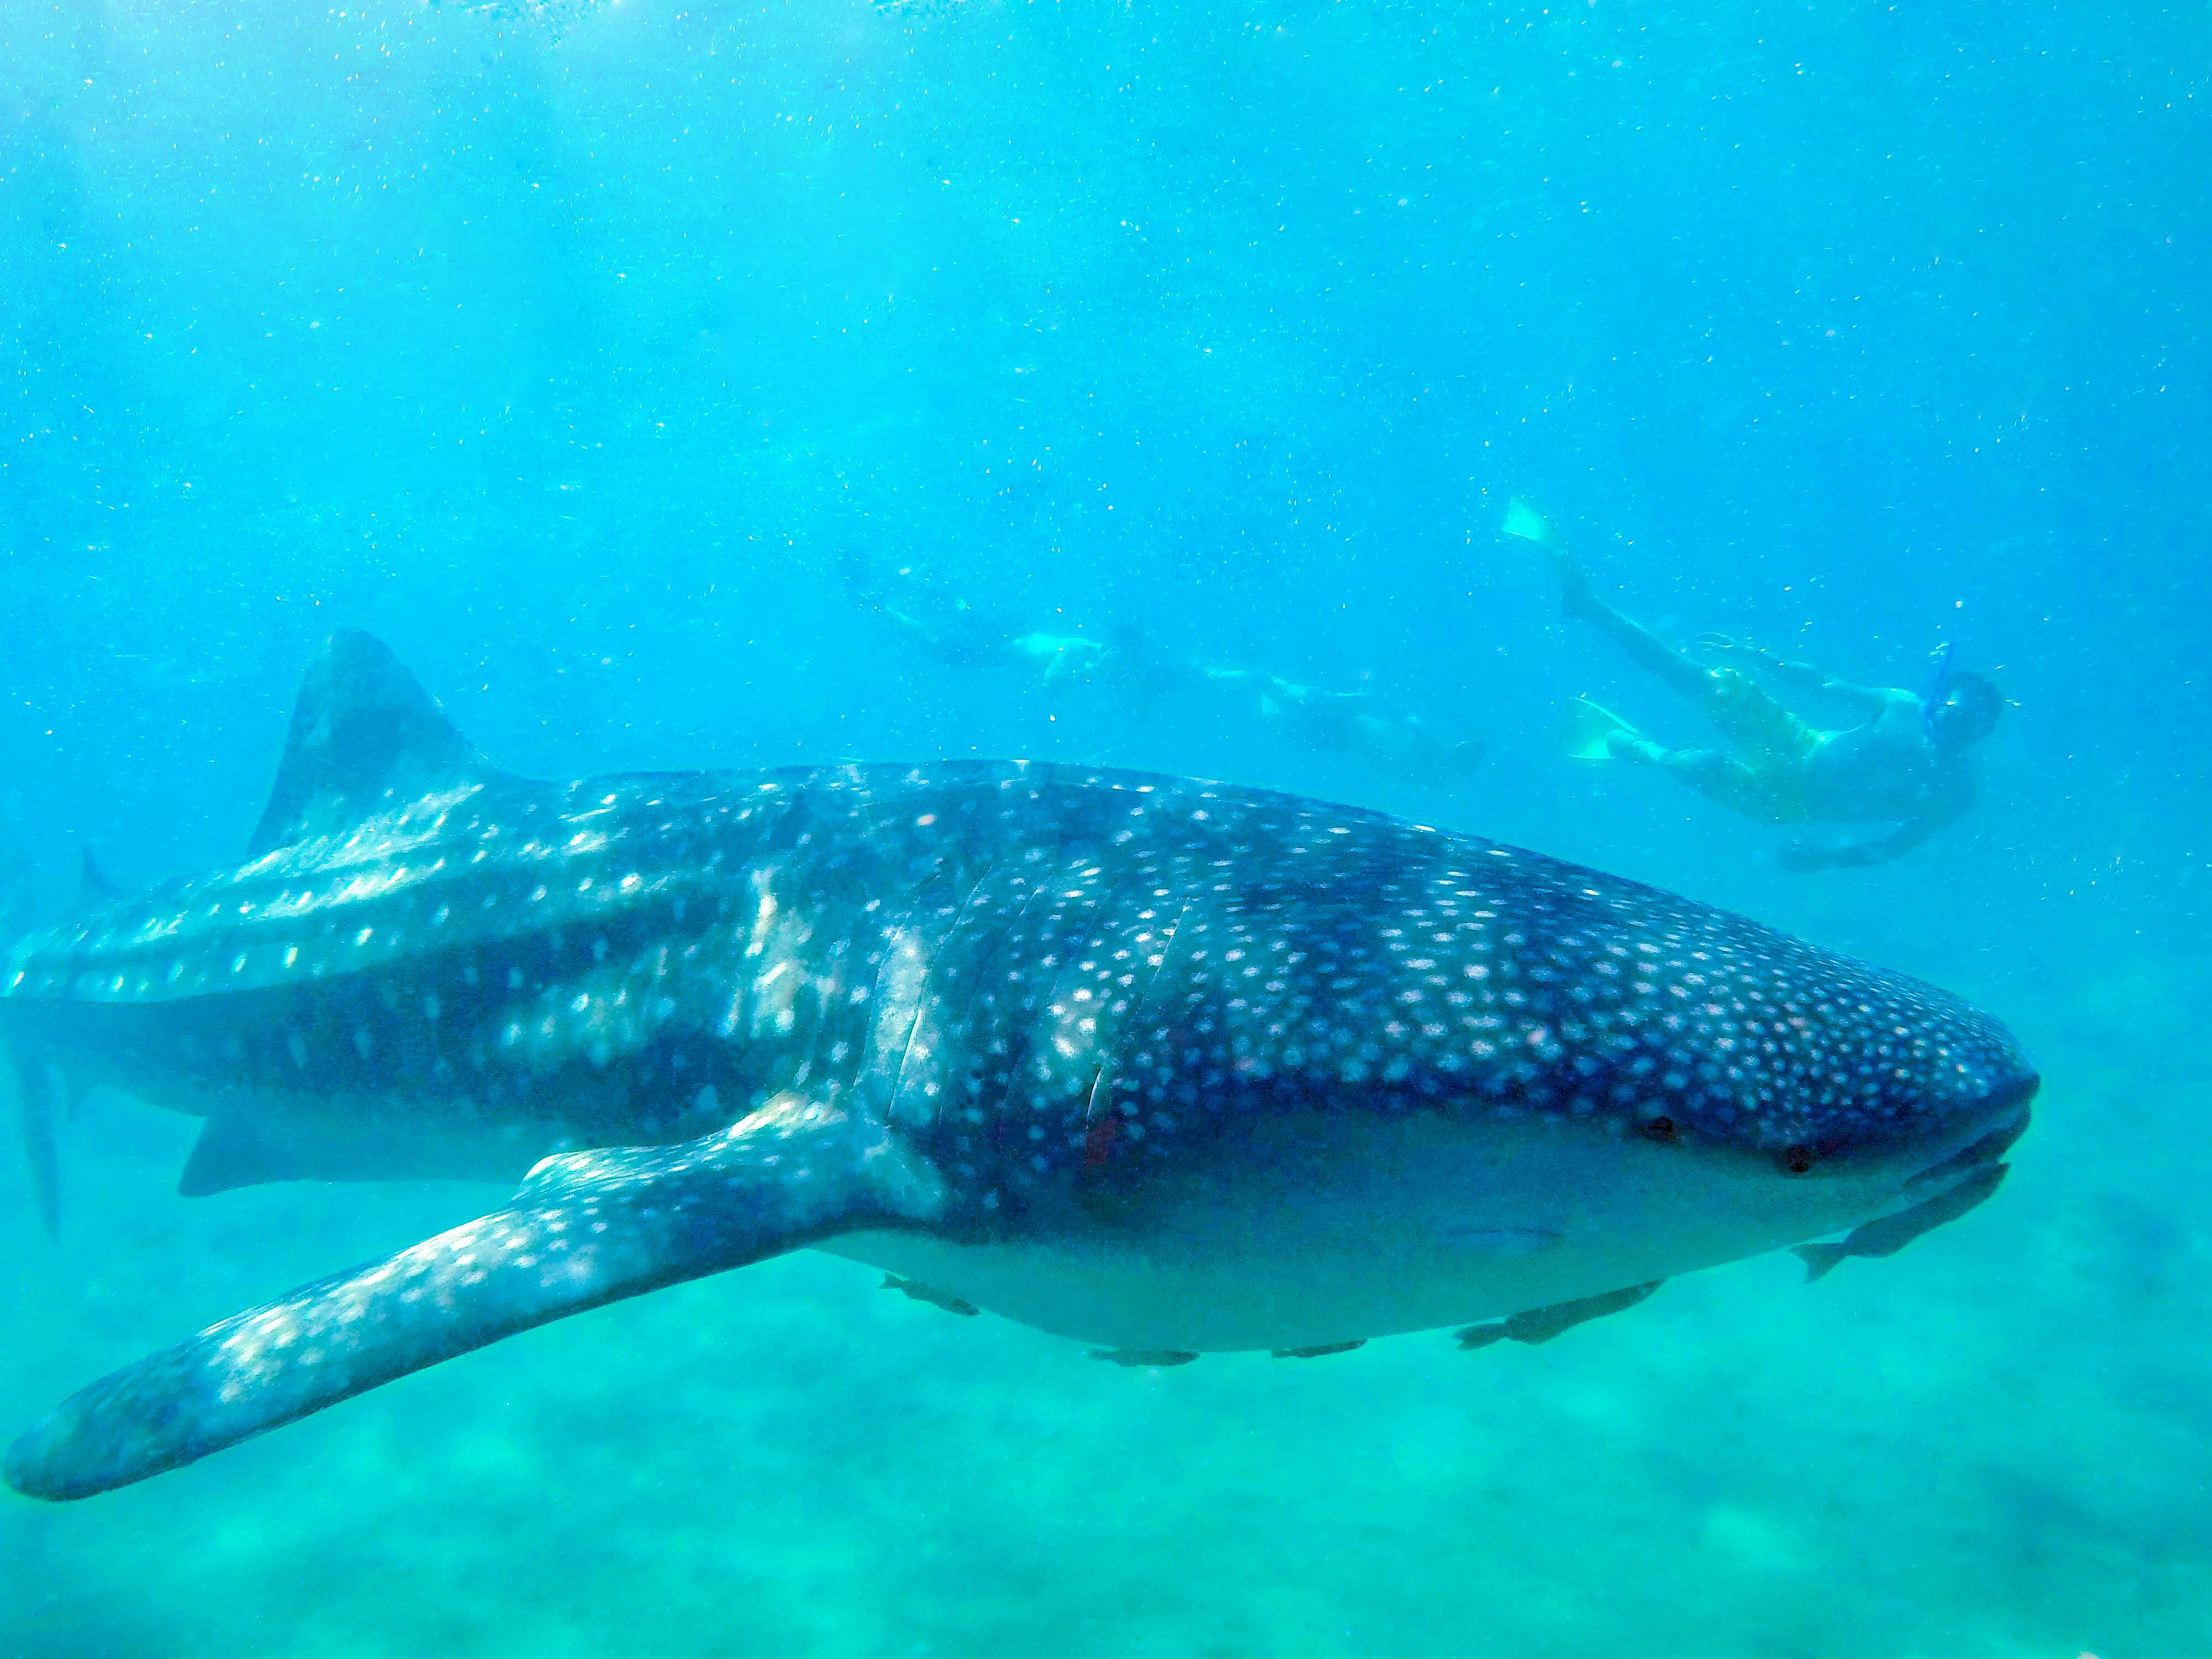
x: 1163, y: 1065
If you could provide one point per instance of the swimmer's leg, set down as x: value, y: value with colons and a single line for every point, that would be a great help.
x: 1719, y: 776
x: 1596, y: 733
x: 857, y: 578
x: 1763, y: 729
x: 1708, y: 771
x: 1579, y: 599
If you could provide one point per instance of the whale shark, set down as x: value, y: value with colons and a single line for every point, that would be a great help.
x: 1166, y: 1066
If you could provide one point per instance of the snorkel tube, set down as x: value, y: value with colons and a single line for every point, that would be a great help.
x: 1939, y: 687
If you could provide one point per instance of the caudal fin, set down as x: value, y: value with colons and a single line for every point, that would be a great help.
x: 34, y: 1102
x: 37, y: 1104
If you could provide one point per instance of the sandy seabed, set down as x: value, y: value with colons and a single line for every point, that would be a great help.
x: 1991, y: 1446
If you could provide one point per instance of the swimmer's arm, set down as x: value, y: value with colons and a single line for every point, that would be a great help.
x: 1811, y: 677
x: 913, y: 624
x: 1802, y: 855
x: 858, y: 580
x: 1805, y: 855
x: 1805, y: 675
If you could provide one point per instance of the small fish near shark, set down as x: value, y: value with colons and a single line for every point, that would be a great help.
x: 1162, y: 1065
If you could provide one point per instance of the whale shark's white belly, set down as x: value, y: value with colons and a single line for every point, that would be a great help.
x: 1332, y: 1228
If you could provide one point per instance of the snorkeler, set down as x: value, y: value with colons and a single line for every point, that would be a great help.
x: 1388, y: 739
x: 1368, y: 728
x: 955, y: 631
x: 1904, y: 763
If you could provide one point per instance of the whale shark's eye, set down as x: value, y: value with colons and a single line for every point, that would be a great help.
x: 1657, y: 1128
x: 1797, y: 1159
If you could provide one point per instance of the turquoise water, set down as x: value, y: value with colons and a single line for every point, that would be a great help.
x: 570, y: 355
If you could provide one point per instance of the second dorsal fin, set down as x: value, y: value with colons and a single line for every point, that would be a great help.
x: 363, y: 731
x: 93, y: 884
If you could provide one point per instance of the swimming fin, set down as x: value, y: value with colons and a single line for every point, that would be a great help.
x: 1530, y: 526
x: 1590, y: 730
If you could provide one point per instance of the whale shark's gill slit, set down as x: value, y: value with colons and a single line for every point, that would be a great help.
x: 922, y: 994
x: 980, y: 895
x: 1070, y: 1097
x: 1102, y: 1080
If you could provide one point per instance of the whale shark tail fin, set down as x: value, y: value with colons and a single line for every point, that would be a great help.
x: 36, y: 1102
x: 364, y: 734
x: 585, y: 1229
x: 1591, y: 731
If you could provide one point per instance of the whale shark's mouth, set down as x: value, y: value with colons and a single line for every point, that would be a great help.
x: 1988, y: 1149
x: 1947, y: 1189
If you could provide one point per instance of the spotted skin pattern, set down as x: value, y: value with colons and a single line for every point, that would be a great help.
x: 1035, y: 971
x: 1007, y: 1001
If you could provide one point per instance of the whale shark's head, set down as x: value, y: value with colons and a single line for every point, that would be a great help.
x: 1664, y: 1066
x: 1863, y: 1094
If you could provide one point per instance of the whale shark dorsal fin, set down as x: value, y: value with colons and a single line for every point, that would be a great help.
x: 363, y: 730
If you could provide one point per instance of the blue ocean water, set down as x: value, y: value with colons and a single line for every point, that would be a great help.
x: 572, y: 355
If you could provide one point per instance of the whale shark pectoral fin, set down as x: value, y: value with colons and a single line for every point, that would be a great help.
x: 1537, y: 1325
x: 586, y: 1229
